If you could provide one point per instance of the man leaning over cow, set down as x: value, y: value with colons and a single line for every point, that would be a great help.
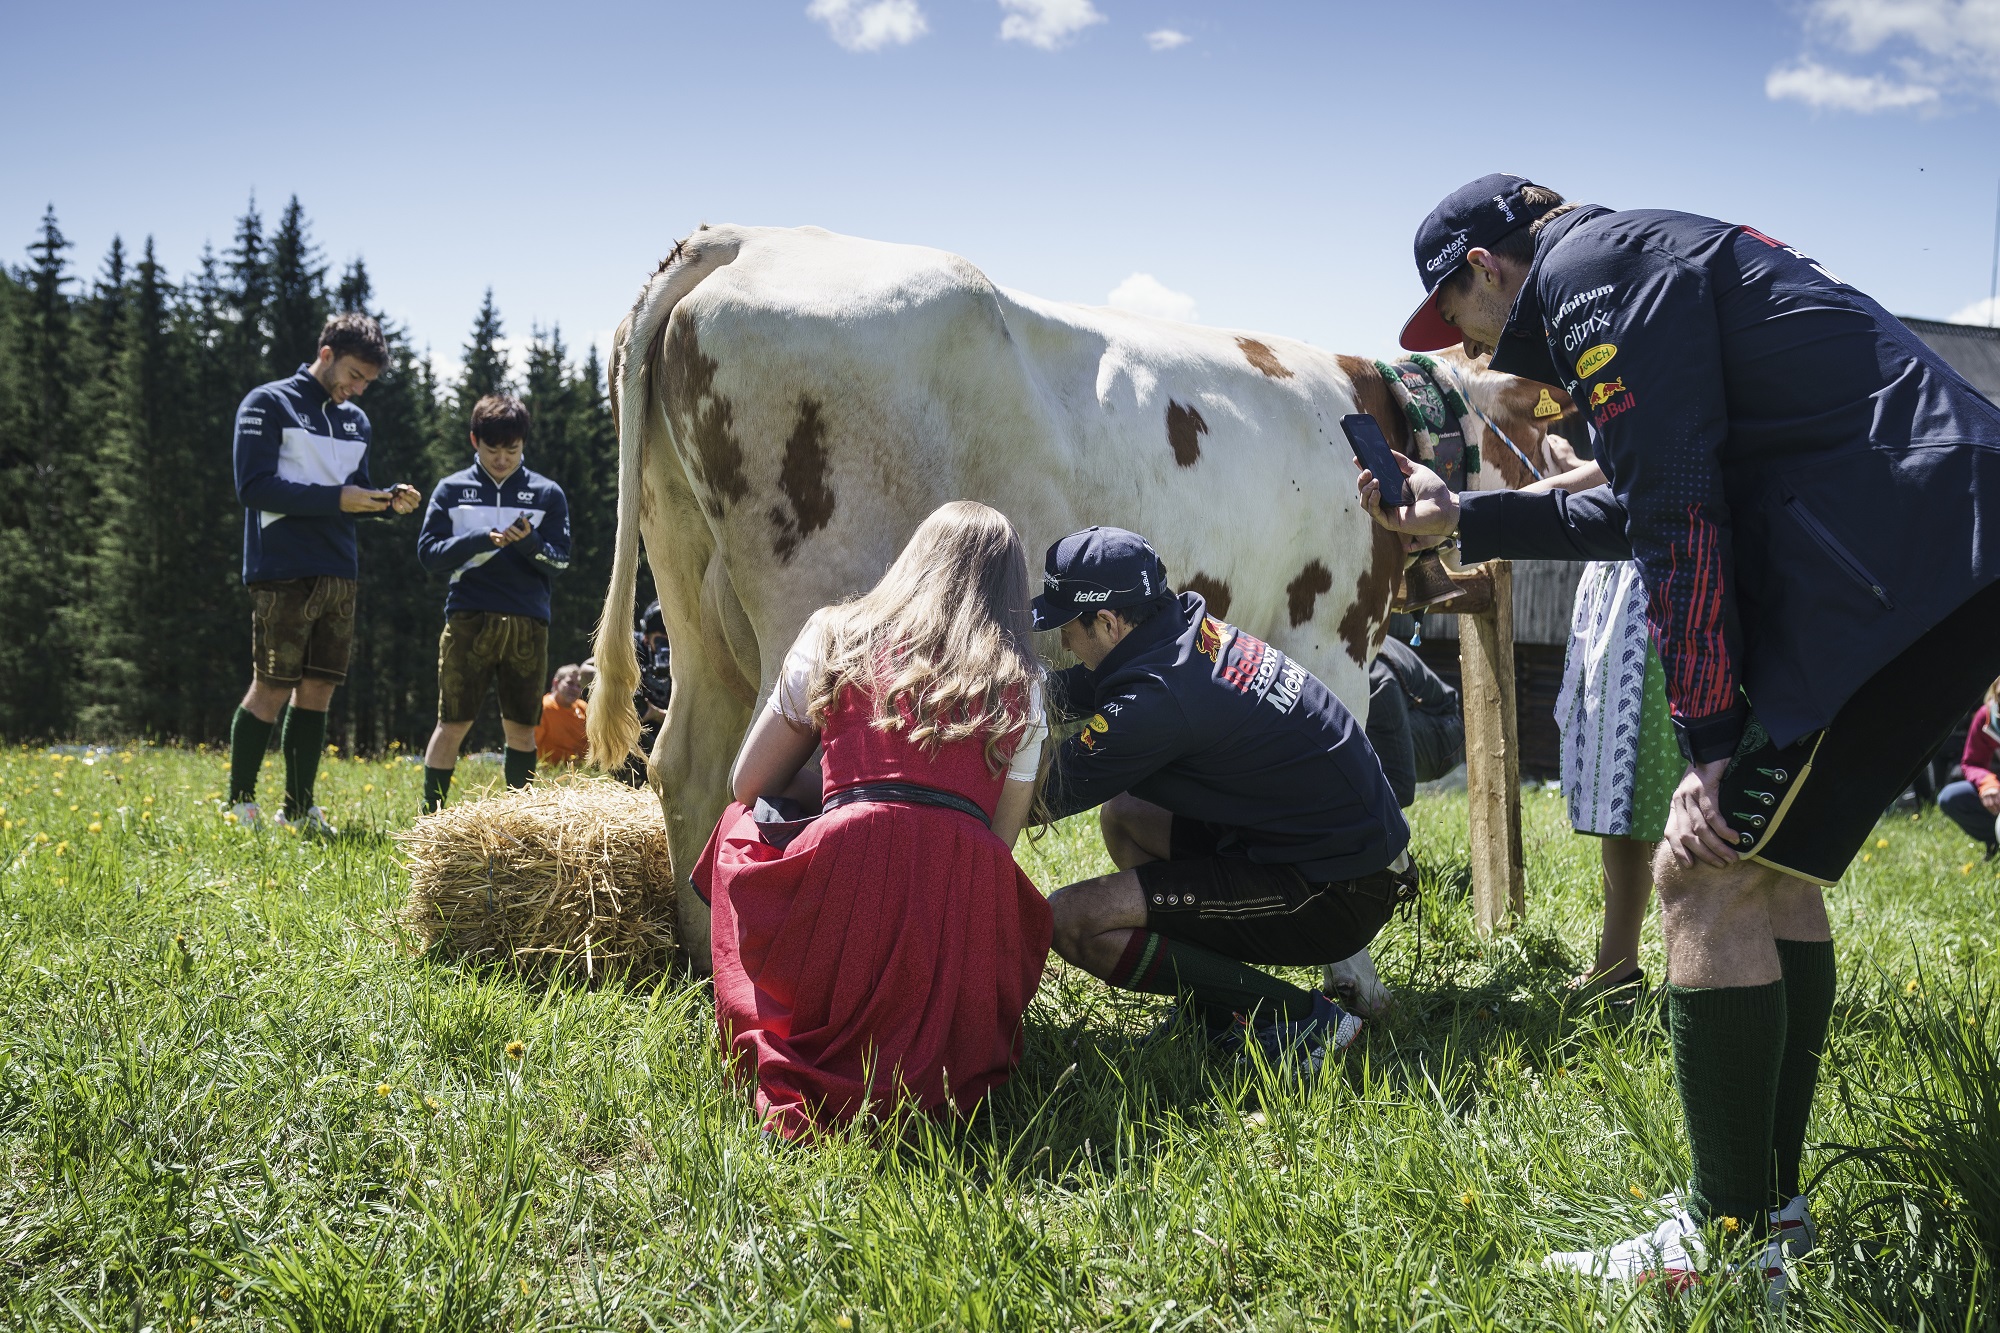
x: 1800, y: 481
x: 1247, y: 815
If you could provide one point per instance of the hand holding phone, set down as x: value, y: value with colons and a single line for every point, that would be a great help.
x: 1364, y: 436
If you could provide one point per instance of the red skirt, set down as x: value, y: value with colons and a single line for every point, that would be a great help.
x: 887, y: 955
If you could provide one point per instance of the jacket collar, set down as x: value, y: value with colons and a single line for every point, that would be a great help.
x: 1524, y: 343
x: 1169, y: 624
x: 309, y: 388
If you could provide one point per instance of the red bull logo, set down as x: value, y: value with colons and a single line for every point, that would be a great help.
x: 1610, y: 399
x: 1208, y: 639
x: 1092, y: 729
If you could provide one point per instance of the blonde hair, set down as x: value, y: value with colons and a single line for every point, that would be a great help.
x: 943, y: 644
x: 1993, y: 699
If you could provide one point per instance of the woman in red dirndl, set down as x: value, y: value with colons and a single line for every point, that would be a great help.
x: 884, y: 951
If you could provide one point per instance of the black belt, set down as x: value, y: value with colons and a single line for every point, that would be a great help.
x: 777, y: 825
x: 905, y: 793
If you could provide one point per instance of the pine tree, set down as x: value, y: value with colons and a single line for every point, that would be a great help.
x: 485, y: 359
x: 106, y: 623
x: 41, y: 474
x: 249, y: 301
x: 298, y: 306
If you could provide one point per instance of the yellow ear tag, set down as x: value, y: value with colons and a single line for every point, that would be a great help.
x: 1545, y: 406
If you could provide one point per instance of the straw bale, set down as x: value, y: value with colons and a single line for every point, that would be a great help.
x: 567, y: 879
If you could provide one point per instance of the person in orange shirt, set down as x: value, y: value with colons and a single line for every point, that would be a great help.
x: 559, y: 737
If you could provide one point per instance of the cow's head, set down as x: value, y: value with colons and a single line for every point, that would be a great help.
x: 1528, y: 411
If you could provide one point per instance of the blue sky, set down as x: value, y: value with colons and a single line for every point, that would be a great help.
x: 1262, y: 162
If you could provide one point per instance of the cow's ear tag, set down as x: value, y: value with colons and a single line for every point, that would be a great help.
x: 1545, y: 406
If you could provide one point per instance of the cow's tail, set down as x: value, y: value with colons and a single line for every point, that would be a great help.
x: 613, y: 723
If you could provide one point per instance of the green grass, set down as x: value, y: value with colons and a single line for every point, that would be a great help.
x: 230, y: 1093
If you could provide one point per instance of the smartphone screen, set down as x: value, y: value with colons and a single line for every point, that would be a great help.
x: 1364, y: 435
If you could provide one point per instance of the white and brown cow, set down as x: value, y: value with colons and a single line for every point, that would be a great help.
x: 791, y: 403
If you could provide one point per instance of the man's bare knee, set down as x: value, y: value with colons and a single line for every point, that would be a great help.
x: 1134, y: 830
x: 1090, y: 908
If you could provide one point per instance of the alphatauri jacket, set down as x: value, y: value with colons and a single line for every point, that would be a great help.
x: 456, y: 538
x: 294, y: 450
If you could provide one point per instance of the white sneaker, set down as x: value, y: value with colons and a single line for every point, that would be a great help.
x: 313, y: 823
x: 246, y: 814
x: 1793, y: 1226
x: 1671, y: 1251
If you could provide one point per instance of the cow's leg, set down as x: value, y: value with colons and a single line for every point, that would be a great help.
x: 690, y: 769
x: 706, y: 720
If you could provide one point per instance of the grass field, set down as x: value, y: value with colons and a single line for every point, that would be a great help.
x: 231, y: 1096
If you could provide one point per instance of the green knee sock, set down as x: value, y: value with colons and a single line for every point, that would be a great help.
x: 437, y: 785
x: 1728, y: 1045
x: 249, y: 737
x: 1809, y: 989
x: 520, y: 767
x: 1159, y: 966
x: 305, y: 734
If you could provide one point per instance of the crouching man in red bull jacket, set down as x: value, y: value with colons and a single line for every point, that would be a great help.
x: 1249, y: 818
x: 1800, y: 480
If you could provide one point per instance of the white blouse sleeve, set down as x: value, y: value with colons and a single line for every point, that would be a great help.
x: 789, y: 699
x: 1027, y: 760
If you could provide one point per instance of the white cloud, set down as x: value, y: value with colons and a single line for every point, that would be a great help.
x: 1924, y: 52
x: 870, y: 25
x: 1045, y: 23
x: 1826, y: 89
x: 1144, y: 294
x: 1985, y: 311
x: 1166, y: 39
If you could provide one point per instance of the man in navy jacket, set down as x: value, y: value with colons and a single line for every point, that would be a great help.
x: 1246, y: 812
x: 1800, y: 480
x: 502, y: 533
x: 301, y: 453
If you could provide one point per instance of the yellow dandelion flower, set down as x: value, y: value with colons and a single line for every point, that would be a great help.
x: 1469, y: 1198
x: 1881, y: 842
x: 74, y: 807
x: 42, y: 838
x: 1731, y: 1225
x: 181, y: 940
x: 62, y: 847
x: 524, y: 1287
x: 96, y: 826
x: 1965, y: 869
x: 369, y: 786
x: 383, y: 1089
x: 1638, y: 1193
x: 432, y: 1104
x: 229, y: 818
x: 1868, y: 856
x: 843, y: 1322
x: 515, y: 1050
x: 147, y: 801
x: 145, y: 816
x: 1911, y: 987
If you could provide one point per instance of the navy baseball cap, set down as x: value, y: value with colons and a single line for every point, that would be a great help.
x: 1471, y: 217
x: 1098, y: 569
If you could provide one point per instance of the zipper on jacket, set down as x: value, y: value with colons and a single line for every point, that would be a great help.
x: 1841, y: 556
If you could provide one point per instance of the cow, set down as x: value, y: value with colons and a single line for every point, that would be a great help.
x: 790, y: 403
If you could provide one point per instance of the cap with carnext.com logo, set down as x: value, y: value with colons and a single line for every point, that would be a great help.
x: 1098, y: 569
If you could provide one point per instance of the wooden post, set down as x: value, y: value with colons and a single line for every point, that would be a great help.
x: 1492, y: 746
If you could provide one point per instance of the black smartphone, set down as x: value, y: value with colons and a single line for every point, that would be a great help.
x: 1364, y: 435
